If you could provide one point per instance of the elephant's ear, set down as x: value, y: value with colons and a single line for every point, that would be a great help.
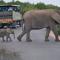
x: 56, y: 17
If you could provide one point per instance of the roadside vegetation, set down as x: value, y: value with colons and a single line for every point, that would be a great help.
x: 27, y: 6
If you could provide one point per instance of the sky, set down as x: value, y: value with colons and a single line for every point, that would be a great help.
x: 53, y: 2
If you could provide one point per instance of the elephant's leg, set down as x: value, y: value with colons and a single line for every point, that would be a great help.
x: 56, y: 33
x: 21, y: 35
x: 6, y: 39
x: 3, y: 39
x: 9, y: 38
x: 47, y: 34
x: 28, y: 37
x: 14, y: 35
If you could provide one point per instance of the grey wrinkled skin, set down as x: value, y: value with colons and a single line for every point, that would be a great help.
x: 38, y: 19
x: 6, y: 32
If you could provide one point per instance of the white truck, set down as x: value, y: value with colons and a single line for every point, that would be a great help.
x: 10, y: 15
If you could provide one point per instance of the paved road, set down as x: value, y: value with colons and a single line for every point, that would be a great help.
x: 38, y: 49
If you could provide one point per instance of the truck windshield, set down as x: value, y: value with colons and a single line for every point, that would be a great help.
x: 8, y: 8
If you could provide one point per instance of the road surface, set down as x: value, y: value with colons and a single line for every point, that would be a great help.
x: 38, y: 49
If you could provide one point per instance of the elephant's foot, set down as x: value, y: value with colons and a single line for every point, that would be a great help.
x: 3, y: 40
x: 47, y: 40
x: 10, y: 40
x: 19, y: 39
x: 28, y: 40
x: 6, y: 40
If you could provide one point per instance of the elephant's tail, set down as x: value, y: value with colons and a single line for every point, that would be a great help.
x: 56, y: 17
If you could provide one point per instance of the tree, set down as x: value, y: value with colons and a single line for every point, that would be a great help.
x: 2, y: 3
x: 40, y: 6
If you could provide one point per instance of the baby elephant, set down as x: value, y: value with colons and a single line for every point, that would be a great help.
x: 6, y: 32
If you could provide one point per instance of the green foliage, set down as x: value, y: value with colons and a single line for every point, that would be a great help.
x: 2, y: 3
x: 27, y: 6
x: 14, y: 3
x: 40, y: 6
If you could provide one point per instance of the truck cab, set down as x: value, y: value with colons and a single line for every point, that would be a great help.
x: 10, y: 15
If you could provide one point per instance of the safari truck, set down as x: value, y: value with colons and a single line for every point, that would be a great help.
x: 10, y: 15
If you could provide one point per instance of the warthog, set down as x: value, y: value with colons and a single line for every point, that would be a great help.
x: 38, y: 19
x: 6, y: 32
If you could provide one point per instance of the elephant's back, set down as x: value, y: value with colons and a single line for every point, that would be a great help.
x: 38, y: 12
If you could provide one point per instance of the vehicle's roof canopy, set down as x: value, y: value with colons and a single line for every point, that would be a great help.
x: 9, y: 5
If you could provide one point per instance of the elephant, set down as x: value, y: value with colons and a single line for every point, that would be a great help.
x: 38, y: 19
x: 6, y: 32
